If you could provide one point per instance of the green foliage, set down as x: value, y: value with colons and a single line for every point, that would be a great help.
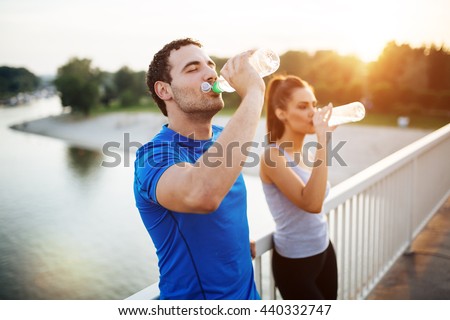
x: 127, y: 98
x: 78, y: 83
x: 295, y: 63
x: 108, y: 91
x: 438, y: 69
x: 403, y: 81
x: 130, y: 86
x: 337, y: 79
x: 16, y: 80
x: 409, y: 81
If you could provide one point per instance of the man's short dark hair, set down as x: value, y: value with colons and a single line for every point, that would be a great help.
x: 159, y: 69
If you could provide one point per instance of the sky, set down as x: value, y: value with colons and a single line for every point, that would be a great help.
x: 42, y: 35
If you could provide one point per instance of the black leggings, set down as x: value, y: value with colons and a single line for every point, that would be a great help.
x: 310, y: 278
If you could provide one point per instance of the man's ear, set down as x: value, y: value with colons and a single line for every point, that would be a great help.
x: 163, y: 90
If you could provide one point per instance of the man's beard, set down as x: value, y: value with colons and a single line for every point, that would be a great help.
x: 199, y: 105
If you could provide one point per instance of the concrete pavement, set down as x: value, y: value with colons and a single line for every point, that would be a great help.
x: 424, y: 272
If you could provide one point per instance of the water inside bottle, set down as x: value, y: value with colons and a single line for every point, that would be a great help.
x: 337, y: 120
x: 265, y: 61
x: 351, y: 112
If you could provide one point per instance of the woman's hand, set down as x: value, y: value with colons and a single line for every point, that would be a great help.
x: 320, y: 120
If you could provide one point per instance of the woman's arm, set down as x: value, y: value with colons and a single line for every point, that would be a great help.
x: 275, y: 169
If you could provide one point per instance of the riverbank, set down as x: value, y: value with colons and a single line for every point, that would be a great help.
x: 356, y: 147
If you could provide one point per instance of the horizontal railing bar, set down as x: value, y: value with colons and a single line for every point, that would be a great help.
x: 149, y: 293
x: 376, y: 172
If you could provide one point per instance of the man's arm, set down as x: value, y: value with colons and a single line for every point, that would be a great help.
x: 201, y: 187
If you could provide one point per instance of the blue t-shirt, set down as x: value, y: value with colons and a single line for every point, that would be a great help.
x: 200, y: 256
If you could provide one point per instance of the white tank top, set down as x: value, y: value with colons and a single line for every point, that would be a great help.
x: 298, y: 234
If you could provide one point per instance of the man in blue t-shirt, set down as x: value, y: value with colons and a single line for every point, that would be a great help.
x: 188, y: 183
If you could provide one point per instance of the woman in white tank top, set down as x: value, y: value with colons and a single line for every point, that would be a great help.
x: 295, y: 186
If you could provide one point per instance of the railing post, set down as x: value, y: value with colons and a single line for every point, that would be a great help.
x: 272, y: 287
x: 412, y: 204
x: 258, y: 275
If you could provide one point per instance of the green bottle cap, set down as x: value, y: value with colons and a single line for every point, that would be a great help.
x: 216, y: 87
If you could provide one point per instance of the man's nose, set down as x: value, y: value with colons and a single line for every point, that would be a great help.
x: 210, y: 75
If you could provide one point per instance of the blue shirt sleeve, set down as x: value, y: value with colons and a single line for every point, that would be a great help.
x: 151, y: 163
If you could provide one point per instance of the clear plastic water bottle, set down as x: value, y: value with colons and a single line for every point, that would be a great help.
x: 265, y: 62
x: 351, y: 112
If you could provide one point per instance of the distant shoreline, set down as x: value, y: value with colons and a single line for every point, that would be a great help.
x: 93, y: 133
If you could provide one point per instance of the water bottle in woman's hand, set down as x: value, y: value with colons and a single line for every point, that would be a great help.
x: 351, y: 112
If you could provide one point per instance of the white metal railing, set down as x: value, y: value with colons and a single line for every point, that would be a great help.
x: 373, y: 216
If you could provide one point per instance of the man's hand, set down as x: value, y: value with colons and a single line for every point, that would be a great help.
x: 253, y: 249
x: 241, y: 75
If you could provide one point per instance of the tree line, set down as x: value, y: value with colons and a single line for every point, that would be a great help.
x: 403, y: 81
x: 410, y: 80
x: 83, y: 86
x: 16, y: 80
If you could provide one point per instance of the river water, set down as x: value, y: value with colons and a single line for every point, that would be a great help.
x: 68, y: 226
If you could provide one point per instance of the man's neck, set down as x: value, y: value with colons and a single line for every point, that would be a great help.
x: 190, y: 126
